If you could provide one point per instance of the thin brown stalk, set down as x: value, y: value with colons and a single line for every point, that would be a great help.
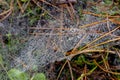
x: 91, y: 24
x: 105, y: 63
x: 115, y: 73
x: 20, y: 6
x: 44, y: 10
x: 100, y: 38
x: 58, y: 9
x: 6, y: 15
x: 115, y: 21
x: 85, y: 72
x: 88, y: 51
x: 5, y: 12
x: 99, y: 15
x: 105, y: 42
x: 4, y: 3
x: 61, y: 70
x: 71, y: 72
x: 70, y: 12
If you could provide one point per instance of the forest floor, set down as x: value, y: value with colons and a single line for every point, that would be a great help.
x: 60, y: 40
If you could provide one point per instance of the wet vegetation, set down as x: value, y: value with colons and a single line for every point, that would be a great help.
x: 98, y: 59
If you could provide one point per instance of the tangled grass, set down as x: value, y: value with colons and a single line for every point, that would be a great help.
x: 97, y: 58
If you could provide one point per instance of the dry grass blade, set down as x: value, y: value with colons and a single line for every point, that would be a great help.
x: 115, y: 21
x: 100, y: 15
x: 90, y: 13
x: 44, y: 10
x: 71, y: 13
x: 61, y: 70
x: 63, y: 34
x: 5, y: 14
x: 71, y: 73
x: 105, y: 63
x: 108, y: 41
x: 115, y: 73
x: 61, y: 27
x: 20, y: 6
x: 58, y: 9
x: 69, y: 9
x: 85, y: 72
x: 91, y: 24
x: 49, y: 28
x: 72, y: 9
x: 110, y: 18
x: 11, y: 5
x: 2, y: 2
x: 88, y: 51
x: 80, y: 31
x: 100, y: 38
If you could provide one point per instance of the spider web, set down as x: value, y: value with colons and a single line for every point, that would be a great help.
x: 49, y: 42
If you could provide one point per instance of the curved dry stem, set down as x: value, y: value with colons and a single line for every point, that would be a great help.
x: 71, y: 55
x: 115, y: 73
x: 4, y: 3
x: 93, y: 23
x: 108, y: 41
x: 99, y: 15
x: 5, y: 14
x: 100, y: 38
